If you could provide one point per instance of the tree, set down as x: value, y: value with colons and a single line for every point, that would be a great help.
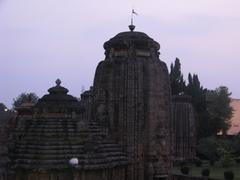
x: 219, y: 109
x: 193, y: 89
x: 212, y: 107
x: 176, y: 78
x: 207, y: 148
x: 198, y: 95
x: 213, y: 149
x: 25, y: 97
x: 2, y: 107
x: 197, y: 92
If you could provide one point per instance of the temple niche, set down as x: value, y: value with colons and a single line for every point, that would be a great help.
x: 131, y: 88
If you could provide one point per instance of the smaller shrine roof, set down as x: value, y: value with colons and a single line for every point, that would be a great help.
x: 57, y: 96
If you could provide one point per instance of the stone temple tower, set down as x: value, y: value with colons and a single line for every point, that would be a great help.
x: 183, y: 128
x: 132, y: 102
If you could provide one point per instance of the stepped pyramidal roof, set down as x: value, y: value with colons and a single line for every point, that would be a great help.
x: 54, y: 133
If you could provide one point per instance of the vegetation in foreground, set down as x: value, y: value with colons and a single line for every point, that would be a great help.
x: 216, y: 172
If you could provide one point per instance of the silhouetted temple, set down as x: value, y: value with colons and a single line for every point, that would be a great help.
x: 132, y: 93
x: 53, y: 132
x: 121, y: 129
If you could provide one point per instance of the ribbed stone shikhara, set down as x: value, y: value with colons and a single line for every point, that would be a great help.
x: 52, y: 132
x: 183, y: 128
x: 131, y: 98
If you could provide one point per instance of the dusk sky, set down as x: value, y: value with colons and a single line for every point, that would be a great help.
x: 42, y: 40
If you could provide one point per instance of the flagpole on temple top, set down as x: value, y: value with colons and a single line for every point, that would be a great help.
x: 132, y: 27
x: 132, y: 17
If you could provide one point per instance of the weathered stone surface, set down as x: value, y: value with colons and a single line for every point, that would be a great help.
x: 132, y: 93
x: 52, y: 132
x: 183, y: 128
x: 7, y: 124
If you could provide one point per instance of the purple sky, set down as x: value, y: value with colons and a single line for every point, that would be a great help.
x: 42, y: 40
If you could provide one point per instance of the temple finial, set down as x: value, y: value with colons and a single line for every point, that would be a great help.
x: 132, y: 27
x: 58, y: 82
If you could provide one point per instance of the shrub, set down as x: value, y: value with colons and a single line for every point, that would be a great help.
x: 183, y: 163
x: 237, y: 159
x: 198, y: 162
x: 180, y: 162
x: 228, y: 175
x: 185, y: 170
x: 205, y: 172
x: 226, y: 158
x: 212, y: 162
x: 207, y: 148
x: 226, y: 161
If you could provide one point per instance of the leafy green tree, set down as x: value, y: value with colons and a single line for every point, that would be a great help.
x: 194, y: 89
x: 207, y: 149
x: 225, y: 157
x: 176, y: 78
x: 219, y: 109
x: 25, y: 97
x: 212, y: 107
x: 217, y: 149
x: 198, y: 94
x: 236, y: 146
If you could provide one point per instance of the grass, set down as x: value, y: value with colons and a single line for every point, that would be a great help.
x: 215, y: 171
